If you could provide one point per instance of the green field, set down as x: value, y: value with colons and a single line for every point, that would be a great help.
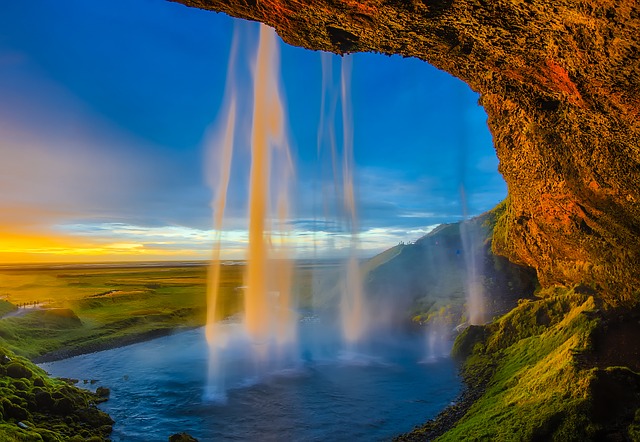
x: 83, y: 308
x: 87, y: 308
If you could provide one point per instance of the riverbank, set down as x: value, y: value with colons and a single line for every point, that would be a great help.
x: 551, y: 369
x: 89, y: 309
x: 446, y: 419
x: 123, y: 341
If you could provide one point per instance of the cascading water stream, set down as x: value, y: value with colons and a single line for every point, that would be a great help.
x: 215, y: 335
x: 266, y: 338
x: 352, y: 300
x: 473, y: 286
x: 352, y: 304
x: 469, y: 237
x: 268, y: 324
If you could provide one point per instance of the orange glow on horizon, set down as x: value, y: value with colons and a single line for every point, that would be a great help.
x: 25, y: 248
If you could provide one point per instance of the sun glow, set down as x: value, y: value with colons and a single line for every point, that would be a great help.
x: 40, y: 248
x: 105, y: 242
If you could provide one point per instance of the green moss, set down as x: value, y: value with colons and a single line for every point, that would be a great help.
x: 38, y: 408
x: 11, y: 432
x: 537, y: 384
x: 634, y: 428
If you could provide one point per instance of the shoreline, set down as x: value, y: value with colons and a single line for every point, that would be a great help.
x: 449, y: 417
x: 58, y: 355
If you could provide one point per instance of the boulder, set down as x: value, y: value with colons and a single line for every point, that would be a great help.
x: 103, y: 392
x: 17, y: 371
x: 182, y: 437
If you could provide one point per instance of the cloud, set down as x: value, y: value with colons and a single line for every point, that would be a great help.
x: 100, y: 157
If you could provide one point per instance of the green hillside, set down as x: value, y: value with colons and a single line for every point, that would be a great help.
x: 434, y: 273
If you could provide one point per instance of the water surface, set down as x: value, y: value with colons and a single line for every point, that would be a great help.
x: 158, y: 388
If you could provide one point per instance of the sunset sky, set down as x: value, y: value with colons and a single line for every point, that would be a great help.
x: 106, y: 110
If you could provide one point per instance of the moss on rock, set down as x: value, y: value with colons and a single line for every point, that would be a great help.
x: 34, y: 407
x: 540, y: 376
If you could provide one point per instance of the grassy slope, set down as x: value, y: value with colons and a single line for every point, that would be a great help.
x: 6, y: 307
x: 536, y: 389
x: 542, y: 378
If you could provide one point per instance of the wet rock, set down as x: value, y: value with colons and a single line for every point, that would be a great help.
x: 70, y: 381
x: 103, y: 392
x: 94, y: 417
x: 63, y: 406
x: 182, y: 437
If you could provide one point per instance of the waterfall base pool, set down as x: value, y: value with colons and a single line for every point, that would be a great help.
x: 157, y: 389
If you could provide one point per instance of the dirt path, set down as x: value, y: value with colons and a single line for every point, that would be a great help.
x: 21, y: 312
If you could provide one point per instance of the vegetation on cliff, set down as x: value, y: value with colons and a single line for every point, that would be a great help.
x: 34, y: 407
x: 551, y: 369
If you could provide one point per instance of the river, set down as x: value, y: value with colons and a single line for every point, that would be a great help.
x: 157, y: 389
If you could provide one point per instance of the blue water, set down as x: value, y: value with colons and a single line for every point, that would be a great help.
x: 157, y: 389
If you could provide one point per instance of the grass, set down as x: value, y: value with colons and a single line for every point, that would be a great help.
x: 536, y: 369
x: 6, y: 307
x: 95, y: 308
x: 536, y: 389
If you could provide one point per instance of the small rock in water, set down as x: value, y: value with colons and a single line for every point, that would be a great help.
x: 23, y: 425
x: 182, y: 437
x: 70, y: 381
x: 103, y: 391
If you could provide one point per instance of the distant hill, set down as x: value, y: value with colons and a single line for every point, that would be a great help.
x: 419, y: 279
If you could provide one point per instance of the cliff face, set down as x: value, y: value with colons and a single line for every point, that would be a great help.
x: 560, y: 81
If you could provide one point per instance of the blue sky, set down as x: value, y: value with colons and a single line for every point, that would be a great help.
x: 107, y: 106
